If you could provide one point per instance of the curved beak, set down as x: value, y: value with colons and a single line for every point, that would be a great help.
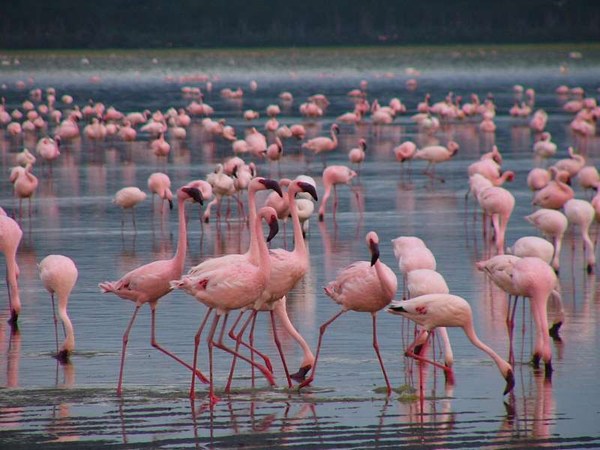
x: 307, y: 187
x: 273, y: 228
x: 510, y: 382
x: 374, y: 252
x: 194, y: 193
x: 274, y: 185
x: 170, y: 203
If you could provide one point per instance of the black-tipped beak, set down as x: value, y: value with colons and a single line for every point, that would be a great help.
x: 273, y: 228
x: 301, y: 374
x: 374, y: 246
x: 395, y: 309
x: 274, y: 185
x: 194, y: 193
x: 170, y: 203
x: 307, y: 187
x: 510, y: 382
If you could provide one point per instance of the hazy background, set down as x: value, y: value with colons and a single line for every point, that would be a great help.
x: 31, y: 24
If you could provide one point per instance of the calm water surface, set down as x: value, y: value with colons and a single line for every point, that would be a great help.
x: 75, y: 405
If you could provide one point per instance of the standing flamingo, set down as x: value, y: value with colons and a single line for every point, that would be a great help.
x: 10, y: 238
x: 357, y: 154
x: 435, y: 154
x: 150, y: 282
x: 229, y: 284
x: 581, y: 213
x: 59, y: 275
x: 332, y: 176
x: 322, y: 144
x: 363, y: 286
x: 556, y: 193
x: 287, y: 268
x: 447, y: 310
x: 24, y: 183
x: 160, y: 184
x: 129, y: 198
x: 48, y: 148
x: 553, y: 225
x: 498, y: 203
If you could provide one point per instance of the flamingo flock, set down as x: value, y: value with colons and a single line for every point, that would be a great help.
x: 260, y: 278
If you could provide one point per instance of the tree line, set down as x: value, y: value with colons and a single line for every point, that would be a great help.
x: 31, y: 24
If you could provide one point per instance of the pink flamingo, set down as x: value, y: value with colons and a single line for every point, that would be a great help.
x: 538, y: 178
x: 24, y: 183
x: 332, y: 176
x: 535, y: 279
x: 363, y: 286
x: 405, y: 151
x: 572, y: 165
x: 447, y: 310
x: 412, y: 254
x: 323, y: 144
x: 128, y: 198
x: 48, y: 148
x: 230, y: 284
x: 150, y: 282
x: 160, y: 147
x: 160, y: 184
x: 275, y: 151
x: 357, y: 154
x: 222, y: 185
x: 435, y: 154
x: 544, y: 147
x: 532, y: 246
x: 287, y: 268
x: 59, y: 275
x: 556, y: 193
x: 24, y: 157
x: 582, y: 213
x: 10, y: 238
x: 498, y: 203
x: 588, y: 177
x: 553, y: 225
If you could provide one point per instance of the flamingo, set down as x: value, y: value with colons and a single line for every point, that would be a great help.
x: 498, y: 203
x: 538, y: 178
x: 544, y: 147
x: 572, y: 165
x: 150, y: 282
x: 532, y: 246
x: 160, y: 184
x: 363, y: 286
x: 581, y: 213
x: 10, y: 238
x: 24, y: 183
x: 332, y: 176
x: 222, y: 185
x: 556, y: 193
x: 231, y: 283
x: 59, y: 275
x: 412, y: 254
x: 287, y: 268
x: 405, y: 151
x: 129, y: 198
x: 357, y: 154
x: 553, y: 225
x: 48, y: 148
x: 24, y: 157
x: 588, y: 177
x: 323, y: 144
x: 435, y: 154
x: 446, y: 310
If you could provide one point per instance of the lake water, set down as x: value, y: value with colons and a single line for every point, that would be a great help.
x: 76, y: 405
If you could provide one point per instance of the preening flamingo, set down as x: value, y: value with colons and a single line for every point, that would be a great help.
x: 556, y: 193
x: 446, y: 310
x: 160, y: 184
x: 357, y: 155
x: 128, y: 198
x: 332, y: 176
x: 48, y: 148
x: 150, y: 282
x: 59, y: 275
x: 363, y: 286
x: 229, y: 284
x: 10, y: 238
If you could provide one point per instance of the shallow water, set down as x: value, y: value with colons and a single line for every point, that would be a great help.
x: 76, y: 404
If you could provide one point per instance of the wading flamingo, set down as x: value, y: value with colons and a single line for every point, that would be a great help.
x: 446, y: 310
x: 363, y: 286
x: 10, y: 238
x: 128, y: 198
x: 48, y: 148
x: 59, y: 275
x: 435, y: 154
x: 231, y: 284
x: 160, y: 184
x: 332, y: 176
x: 553, y: 225
x: 581, y: 213
x: 498, y: 203
x: 323, y: 144
x: 357, y: 154
x: 24, y: 183
x: 150, y: 282
x: 287, y: 268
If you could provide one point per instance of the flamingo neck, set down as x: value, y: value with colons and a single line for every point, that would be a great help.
x: 69, y: 342
x: 387, y: 286
x: 469, y: 330
x: 280, y: 311
x: 179, y: 257
x: 12, y: 269
x: 299, y: 244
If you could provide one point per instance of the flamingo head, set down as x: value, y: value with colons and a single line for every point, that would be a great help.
x: 270, y: 184
x: 193, y: 193
x: 510, y: 381
x: 373, y: 243
x: 309, y: 188
x: 270, y: 215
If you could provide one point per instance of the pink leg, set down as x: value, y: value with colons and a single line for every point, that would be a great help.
x: 210, y: 340
x: 125, y: 340
x: 421, y: 339
x: 376, y: 347
x: 233, y: 336
x: 155, y: 344
x: 321, y: 333
x: 278, y: 344
x: 195, y: 363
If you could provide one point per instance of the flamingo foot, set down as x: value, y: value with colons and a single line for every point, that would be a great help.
x: 553, y: 332
x: 213, y: 399
x: 548, y: 370
x: 535, y: 361
x: 301, y: 374
x: 13, y: 318
x: 321, y: 217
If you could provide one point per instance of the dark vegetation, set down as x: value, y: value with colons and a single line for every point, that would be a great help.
x: 52, y: 24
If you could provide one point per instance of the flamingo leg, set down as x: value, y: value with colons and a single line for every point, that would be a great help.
x: 196, y: 344
x: 268, y: 375
x: 233, y: 336
x: 210, y: 341
x: 55, y: 322
x: 156, y: 345
x: 321, y: 333
x: 420, y: 340
x: 278, y: 344
x: 376, y: 348
x: 125, y: 340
